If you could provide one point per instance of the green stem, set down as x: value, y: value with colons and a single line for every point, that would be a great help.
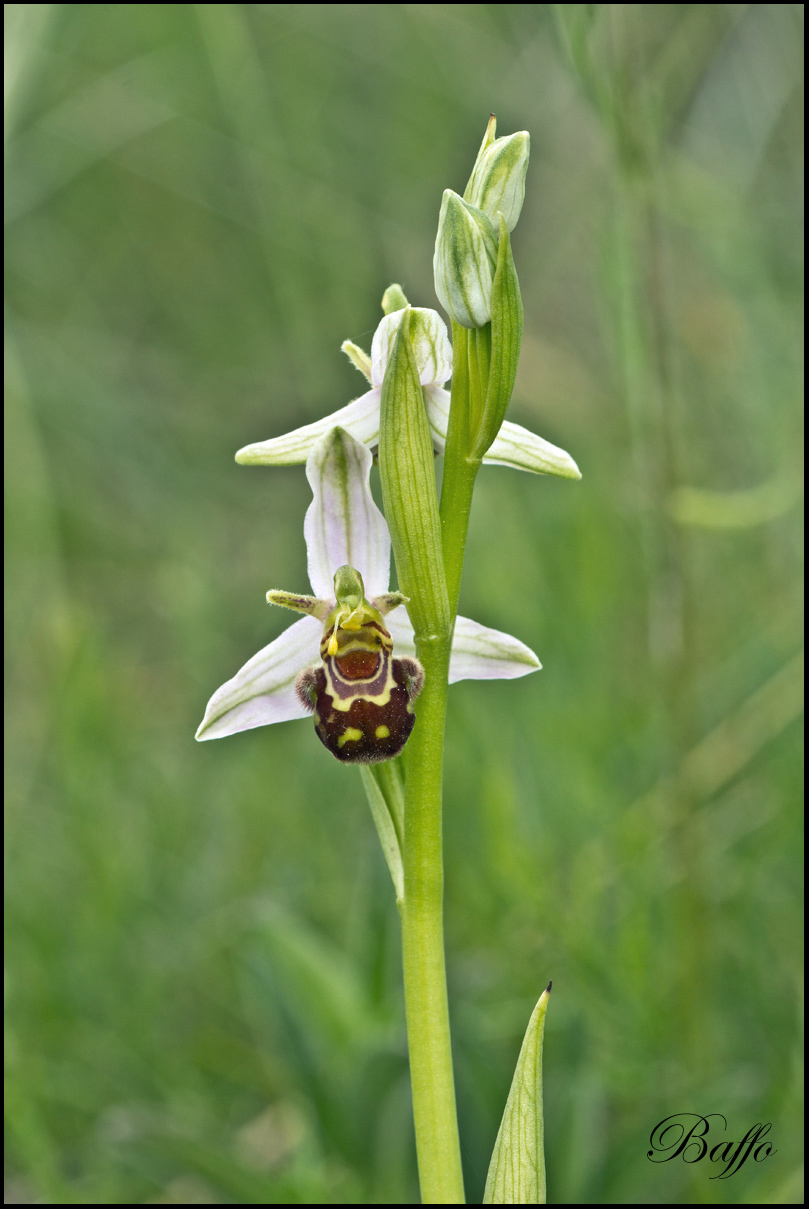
x: 425, y: 982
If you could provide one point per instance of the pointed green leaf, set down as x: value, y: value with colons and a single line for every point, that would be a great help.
x: 517, y: 1170
x: 385, y: 793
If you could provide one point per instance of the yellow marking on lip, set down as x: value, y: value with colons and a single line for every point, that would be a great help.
x: 382, y: 732
x: 349, y: 735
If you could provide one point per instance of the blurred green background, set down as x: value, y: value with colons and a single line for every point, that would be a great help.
x: 203, y: 988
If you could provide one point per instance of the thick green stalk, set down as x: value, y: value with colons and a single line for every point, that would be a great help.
x: 422, y: 916
x: 408, y: 488
x: 425, y: 982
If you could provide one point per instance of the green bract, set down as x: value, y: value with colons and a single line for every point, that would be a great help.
x: 406, y: 466
x: 506, y: 338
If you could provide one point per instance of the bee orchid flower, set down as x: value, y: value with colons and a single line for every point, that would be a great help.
x: 513, y: 446
x: 338, y: 660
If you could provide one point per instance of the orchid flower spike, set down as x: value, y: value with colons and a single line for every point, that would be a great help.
x: 337, y: 661
x: 513, y: 446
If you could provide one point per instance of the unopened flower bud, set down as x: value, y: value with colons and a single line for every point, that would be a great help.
x: 464, y: 262
x: 497, y: 182
x: 393, y: 299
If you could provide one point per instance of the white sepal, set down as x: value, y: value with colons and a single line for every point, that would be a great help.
x: 513, y: 446
x: 478, y: 652
x: 360, y: 418
x: 343, y: 525
x: 263, y: 691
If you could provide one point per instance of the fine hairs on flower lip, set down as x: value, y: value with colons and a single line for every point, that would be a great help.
x: 343, y: 526
x: 361, y: 696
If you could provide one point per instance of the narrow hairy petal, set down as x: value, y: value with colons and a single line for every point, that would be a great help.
x: 360, y: 418
x: 358, y: 358
x: 388, y: 602
x: 299, y: 603
x: 343, y: 524
x: 263, y: 691
x: 516, y: 446
x: 478, y: 652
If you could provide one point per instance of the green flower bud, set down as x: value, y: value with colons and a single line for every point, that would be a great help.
x: 393, y: 299
x: 465, y: 261
x: 497, y: 182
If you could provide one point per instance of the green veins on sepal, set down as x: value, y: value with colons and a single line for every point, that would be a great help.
x: 517, y: 1169
x: 497, y: 183
x: 464, y: 261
